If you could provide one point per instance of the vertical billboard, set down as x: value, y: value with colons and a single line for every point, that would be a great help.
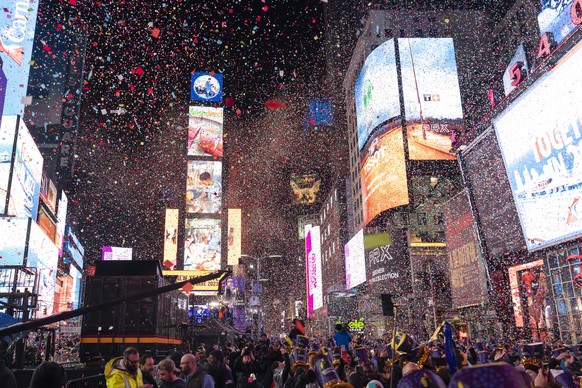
x: 61, y: 221
x: 171, y: 238
x: 17, y: 24
x: 529, y: 294
x: 205, y: 131
x: 355, y: 261
x: 432, y: 96
x: 234, y: 236
x: 519, y: 61
x: 539, y: 135
x: 376, y: 91
x: 320, y: 112
x: 202, y: 244
x: 7, y: 136
x: 313, y: 270
x: 383, y: 173
x: 466, y: 265
x: 206, y: 86
x: 204, y: 187
x: 13, y: 240
x: 305, y: 188
x: 116, y: 253
x: 43, y: 255
x: 387, y: 262
x: 556, y: 18
x: 48, y: 193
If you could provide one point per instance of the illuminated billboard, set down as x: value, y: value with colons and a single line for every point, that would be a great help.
x: 205, y: 131
x: 17, y: 24
x: 61, y: 221
x: 387, y: 261
x: 432, y: 96
x: 529, y: 294
x: 355, y: 261
x: 313, y: 269
x: 116, y: 253
x: 48, y: 193
x: 376, y: 91
x: 7, y: 138
x: 171, y: 238
x: 13, y: 240
x: 43, y: 255
x: 202, y: 244
x: 539, y: 135
x: 305, y: 188
x: 209, y: 286
x: 556, y: 18
x: 204, y: 187
x: 234, y: 236
x: 383, y: 173
x: 205, y: 86
x: 519, y: 61
x: 320, y: 112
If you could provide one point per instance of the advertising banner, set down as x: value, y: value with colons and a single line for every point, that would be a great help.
x: 355, y: 261
x: 76, y: 287
x: 376, y: 91
x: 205, y: 131
x: 432, y: 96
x: 210, y: 286
x: 17, y: 24
x: 383, y: 173
x: 61, y: 222
x: 485, y: 172
x: 305, y: 188
x: 48, y: 193
x: 234, y: 236
x: 43, y: 255
x: 529, y: 292
x: 313, y: 270
x: 206, y: 86
x: 204, y: 187
x: 539, y: 135
x: 519, y: 58
x: 388, y: 264
x: 202, y: 249
x: 7, y: 139
x: 466, y: 265
x: 13, y: 240
x: 556, y: 18
x: 73, y: 247
x: 171, y: 238
x: 320, y: 112
x: 116, y: 253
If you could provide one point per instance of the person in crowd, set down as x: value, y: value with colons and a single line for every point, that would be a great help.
x: 47, y: 375
x: 146, y: 365
x: 168, y: 375
x: 371, y: 373
x: 193, y: 375
x: 123, y: 372
x: 201, y: 357
x: 219, y: 371
x: 247, y: 370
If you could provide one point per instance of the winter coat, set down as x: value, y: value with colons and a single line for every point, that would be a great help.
x: 117, y: 375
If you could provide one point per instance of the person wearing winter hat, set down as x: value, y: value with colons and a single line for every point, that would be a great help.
x: 48, y: 375
x: 219, y: 370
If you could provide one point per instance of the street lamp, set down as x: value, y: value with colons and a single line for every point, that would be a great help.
x: 258, y: 272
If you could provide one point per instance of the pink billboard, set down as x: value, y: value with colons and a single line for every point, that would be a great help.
x: 313, y: 269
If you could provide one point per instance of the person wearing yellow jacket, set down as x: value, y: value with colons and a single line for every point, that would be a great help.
x: 122, y: 372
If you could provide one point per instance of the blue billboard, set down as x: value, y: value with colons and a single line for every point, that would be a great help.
x: 320, y: 112
x: 376, y: 91
x: 556, y: 17
x: 205, y: 86
x: 17, y: 24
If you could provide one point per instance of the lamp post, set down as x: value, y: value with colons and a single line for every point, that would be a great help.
x: 258, y: 294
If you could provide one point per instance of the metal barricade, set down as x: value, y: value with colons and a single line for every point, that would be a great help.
x: 87, y: 382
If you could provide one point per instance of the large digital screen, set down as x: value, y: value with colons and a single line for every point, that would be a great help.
x: 43, y: 255
x: 61, y: 221
x: 320, y: 112
x: 355, y: 261
x: 539, y: 136
x: 7, y: 138
x: 17, y: 24
x: 529, y: 294
x: 383, y: 173
x: 519, y: 57
x: 313, y: 269
x: 485, y: 173
x: 204, y: 187
x: 556, y: 17
x: 209, y: 286
x: 48, y: 193
x: 234, y: 236
x: 116, y: 253
x: 74, y: 247
x: 13, y: 240
x: 305, y: 188
x: 432, y: 96
x: 206, y: 86
x: 376, y: 91
x: 205, y: 129
x: 466, y: 264
x: 76, y: 288
x: 171, y: 238
x: 202, y: 245
x: 26, y: 176
x: 387, y: 261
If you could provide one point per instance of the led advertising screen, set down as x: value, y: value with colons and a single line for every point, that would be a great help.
x: 519, y: 57
x: 73, y: 247
x: 387, y: 262
x: 7, y: 138
x: 205, y: 129
x: 313, y: 270
x: 43, y: 255
x: 116, y: 253
x: 61, y: 221
x: 376, y: 91
x: 48, y: 193
x: 556, y: 17
x: 529, y: 293
x: 26, y: 176
x: 383, y: 173
x: 76, y: 288
x: 305, y: 188
x: 209, y: 286
x: 234, y: 236
x: 466, y: 265
x: 13, y: 240
x: 205, y: 86
x: 432, y: 96
x: 355, y: 261
x: 320, y: 112
x: 171, y: 238
x: 539, y: 135
x: 17, y: 24
x: 484, y: 171
x: 202, y: 250
x: 204, y: 187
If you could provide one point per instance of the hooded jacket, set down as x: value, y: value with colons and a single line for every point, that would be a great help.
x: 117, y: 375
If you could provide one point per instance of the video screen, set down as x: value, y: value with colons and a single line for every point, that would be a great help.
x: 204, y: 187
x: 388, y: 262
x: 234, y: 236
x: 355, y: 261
x: 12, y: 240
x: 206, y: 86
x: 205, y: 131
x: 556, y: 18
x: 171, y: 239
x: 313, y: 270
x: 305, y: 188
x: 539, y: 135
x: 202, y: 244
